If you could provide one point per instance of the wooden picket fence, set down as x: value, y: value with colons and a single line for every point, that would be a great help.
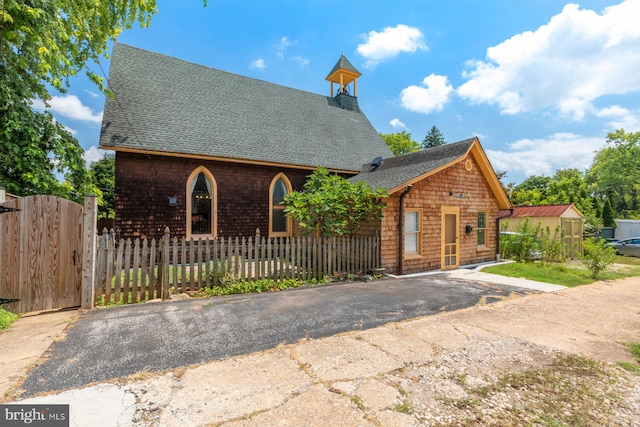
x: 133, y: 271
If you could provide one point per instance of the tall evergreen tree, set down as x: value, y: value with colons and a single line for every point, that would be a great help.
x: 433, y: 139
x: 608, y: 215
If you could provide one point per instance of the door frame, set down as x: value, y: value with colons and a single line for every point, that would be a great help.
x: 450, y: 210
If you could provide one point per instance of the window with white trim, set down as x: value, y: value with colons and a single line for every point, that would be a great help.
x: 412, y: 232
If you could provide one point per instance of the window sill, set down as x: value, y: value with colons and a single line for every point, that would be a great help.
x: 408, y: 257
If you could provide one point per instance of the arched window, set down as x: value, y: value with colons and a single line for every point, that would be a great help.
x: 201, y: 204
x: 279, y: 223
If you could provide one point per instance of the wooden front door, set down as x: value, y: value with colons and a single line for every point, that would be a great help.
x: 450, y: 247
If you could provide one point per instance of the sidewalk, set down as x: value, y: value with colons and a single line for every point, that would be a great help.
x: 398, y: 374
x: 478, y: 274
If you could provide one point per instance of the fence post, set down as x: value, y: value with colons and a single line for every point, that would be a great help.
x: 89, y: 236
x: 163, y: 268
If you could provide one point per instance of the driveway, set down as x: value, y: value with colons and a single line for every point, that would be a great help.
x: 117, y: 342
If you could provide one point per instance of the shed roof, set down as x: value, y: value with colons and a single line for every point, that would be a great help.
x: 538, y: 211
x: 165, y: 105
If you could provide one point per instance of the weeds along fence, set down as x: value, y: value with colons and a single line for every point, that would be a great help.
x: 130, y: 271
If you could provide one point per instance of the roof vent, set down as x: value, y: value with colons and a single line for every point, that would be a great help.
x: 376, y: 163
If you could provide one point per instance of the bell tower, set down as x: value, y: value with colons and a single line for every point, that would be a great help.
x: 343, y: 73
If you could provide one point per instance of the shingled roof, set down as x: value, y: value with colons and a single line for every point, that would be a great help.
x: 401, y: 170
x: 396, y: 173
x: 165, y: 105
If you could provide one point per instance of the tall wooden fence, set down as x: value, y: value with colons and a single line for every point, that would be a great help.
x: 131, y: 271
x: 41, y: 252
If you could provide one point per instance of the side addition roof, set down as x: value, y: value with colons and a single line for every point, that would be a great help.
x: 165, y: 105
x: 396, y: 173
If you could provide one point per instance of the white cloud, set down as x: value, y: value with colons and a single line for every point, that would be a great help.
x: 93, y: 154
x: 69, y: 106
x: 70, y: 130
x: 545, y: 156
x: 303, y: 62
x: 282, y: 46
x: 577, y: 57
x: 480, y: 136
x: 391, y: 41
x: 427, y: 98
x: 396, y: 123
x: 95, y: 95
x: 259, y: 64
x: 621, y: 118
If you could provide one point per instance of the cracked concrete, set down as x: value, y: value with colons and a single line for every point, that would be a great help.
x: 414, y: 372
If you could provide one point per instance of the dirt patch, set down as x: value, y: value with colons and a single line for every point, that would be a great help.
x: 24, y: 343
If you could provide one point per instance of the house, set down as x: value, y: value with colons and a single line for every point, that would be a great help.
x: 442, y: 208
x: 564, y: 217
x: 209, y: 153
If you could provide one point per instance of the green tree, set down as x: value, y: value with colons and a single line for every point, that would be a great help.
x: 103, y: 177
x: 433, y: 138
x: 400, y: 143
x: 615, y: 173
x: 36, y: 150
x: 608, y: 216
x: 598, y: 255
x: 532, y: 191
x: 331, y: 205
x: 42, y: 44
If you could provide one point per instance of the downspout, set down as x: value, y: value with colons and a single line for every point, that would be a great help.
x: 401, y: 227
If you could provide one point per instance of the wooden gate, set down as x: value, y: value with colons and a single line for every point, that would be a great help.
x: 40, y: 253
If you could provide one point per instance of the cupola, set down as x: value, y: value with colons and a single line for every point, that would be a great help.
x: 343, y: 73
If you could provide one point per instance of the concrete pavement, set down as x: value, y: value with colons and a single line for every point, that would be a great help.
x: 370, y: 377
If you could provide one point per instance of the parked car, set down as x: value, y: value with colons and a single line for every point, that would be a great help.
x: 630, y: 246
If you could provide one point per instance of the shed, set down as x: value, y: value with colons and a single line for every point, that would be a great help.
x: 565, y: 216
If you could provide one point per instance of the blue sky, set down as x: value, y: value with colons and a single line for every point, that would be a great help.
x: 540, y: 82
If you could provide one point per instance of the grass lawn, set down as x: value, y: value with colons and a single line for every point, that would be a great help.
x: 6, y: 318
x: 571, y: 273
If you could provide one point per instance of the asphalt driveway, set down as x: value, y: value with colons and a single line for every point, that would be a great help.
x: 117, y: 342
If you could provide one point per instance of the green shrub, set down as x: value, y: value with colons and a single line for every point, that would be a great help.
x: 523, y: 245
x: 552, y: 246
x: 6, y: 318
x: 253, y: 286
x: 598, y: 255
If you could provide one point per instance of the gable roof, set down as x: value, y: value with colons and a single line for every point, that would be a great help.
x: 164, y: 105
x: 538, y: 211
x: 398, y: 172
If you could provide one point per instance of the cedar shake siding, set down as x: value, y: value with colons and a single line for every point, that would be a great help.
x: 455, y: 177
x: 145, y: 182
x: 430, y: 195
x: 167, y: 113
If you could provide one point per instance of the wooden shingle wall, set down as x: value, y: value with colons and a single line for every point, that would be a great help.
x: 430, y: 195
